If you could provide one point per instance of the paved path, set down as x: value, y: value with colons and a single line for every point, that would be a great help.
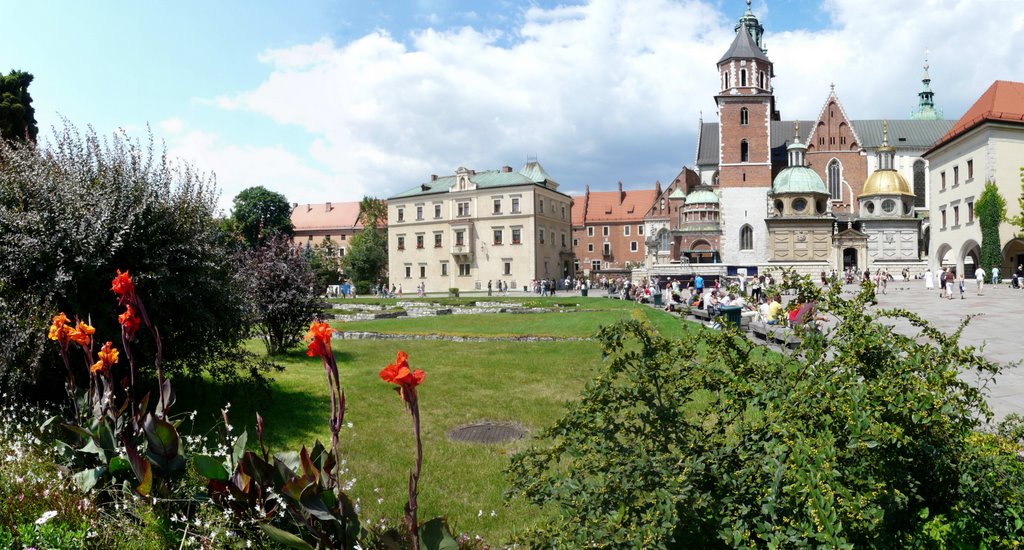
x: 998, y: 326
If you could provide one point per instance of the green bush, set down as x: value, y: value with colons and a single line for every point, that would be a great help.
x: 72, y: 213
x: 862, y: 437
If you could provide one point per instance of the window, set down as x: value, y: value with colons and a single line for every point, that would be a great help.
x: 942, y: 177
x: 423, y: 272
x: 799, y: 204
x: 760, y: 80
x: 725, y: 81
x: 464, y: 270
x: 516, y: 236
x: 607, y: 250
x: 590, y: 231
x: 401, y: 214
x: 497, y: 206
x: 419, y: 241
x: 401, y: 242
x: 888, y: 205
x: 970, y: 169
x: 437, y: 211
x: 341, y: 252
x: 497, y: 236
x: 744, y: 151
x: 463, y: 209
x: 563, y: 212
x: 540, y: 235
x: 575, y: 242
x: 744, y: 116
x: 552, y: 234
x: 508, y: 268
x: 563, y: 240
x: 408, y: 272
x: 640, y: 230
x: 633, y: 246
x: 956, y: 176
x: 920, y: 192
x: 460, y: 238
x: 746, y: 237
x: 419, y: 212
x: 595, y: 265
x: 444, y: 269
x: 743, y: 77
x: 835, y: 179
x: 515, y: 205
x: 540, y: 207
x: 604, y: 231
x: 437, y: 240
x: 590, y: 247
x: 943, y: 218
x: 956, y: 216
x: 625, y: 231
x: 970, y: 213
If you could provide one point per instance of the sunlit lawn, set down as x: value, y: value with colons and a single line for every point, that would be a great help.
x: 524, y: 382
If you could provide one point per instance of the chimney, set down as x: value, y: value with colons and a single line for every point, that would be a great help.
x: 433, y: 177
x: 506, y: 169
x: 657, y: 187
x: 622, y: 194
x: 309, y: 207
x: 329, y: 207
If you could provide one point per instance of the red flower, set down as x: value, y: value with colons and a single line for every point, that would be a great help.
x: 123, y: 287
x: 60, y: 331
x: 129, y: 321
x: 82, y: 335
x: 399, y: 373
x: 108, y: 356
x: 319, y: 337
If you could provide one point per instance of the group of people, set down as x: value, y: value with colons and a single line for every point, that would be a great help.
x: 948, y: 281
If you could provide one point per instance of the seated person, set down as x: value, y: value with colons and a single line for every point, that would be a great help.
x: 775, y: 314
x: 713, y: 304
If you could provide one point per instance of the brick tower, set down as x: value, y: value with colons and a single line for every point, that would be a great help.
x: 746, y: 109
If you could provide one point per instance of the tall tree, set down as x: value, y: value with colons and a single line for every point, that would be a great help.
x: 260, y: 214
x: 17, y: 117
x: 1018, y: 220
x: 990, y: 209
x: 367, y: 254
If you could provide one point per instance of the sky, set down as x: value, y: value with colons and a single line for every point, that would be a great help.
x: 333, y: 100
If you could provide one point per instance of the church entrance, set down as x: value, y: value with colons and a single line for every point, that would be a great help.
x: 850, y: 258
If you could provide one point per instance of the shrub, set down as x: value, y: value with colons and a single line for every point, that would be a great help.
x: 73, y: 212
x: 861, y: 437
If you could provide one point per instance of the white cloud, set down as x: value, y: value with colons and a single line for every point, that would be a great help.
x: 602, y: 92
x: 171, y: 126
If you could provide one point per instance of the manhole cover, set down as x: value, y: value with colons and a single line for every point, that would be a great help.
x: 487, y: 432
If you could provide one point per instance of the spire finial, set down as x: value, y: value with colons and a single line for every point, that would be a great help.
x: 885, y: 133
x: 796, y: 130
x: 832, y: 87
x: 748, y: 6
x: 926, y: 52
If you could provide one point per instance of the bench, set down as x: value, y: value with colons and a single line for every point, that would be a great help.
x: 780, y: 334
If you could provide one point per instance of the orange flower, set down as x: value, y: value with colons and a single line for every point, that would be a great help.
x: 82, y: 335
x: 124, y: 288
x: 129, y: 321
x: 59, y: 330
x: 319, y: 337
x: 108, y: 356
x: 399, y: 373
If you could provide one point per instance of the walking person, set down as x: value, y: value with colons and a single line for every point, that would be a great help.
x: 949, y: 278
x: 979, y: 275
x: 929, y: 281
x: 962, y: 286
x: 995, y: 274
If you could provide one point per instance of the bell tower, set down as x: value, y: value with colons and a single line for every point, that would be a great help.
x: 746, y: 109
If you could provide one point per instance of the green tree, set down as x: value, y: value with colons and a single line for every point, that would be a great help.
x: 260, y: 214
x: 74, y: 213
x: 17, y: 117
x: 1018, y: 220
x: 325, y: 264
x: 990, y: 209
x: 282, y: 292
x: 367, y: 256
x: 861, y: 437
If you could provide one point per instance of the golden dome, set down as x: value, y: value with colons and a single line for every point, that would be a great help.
x: 886, y: 182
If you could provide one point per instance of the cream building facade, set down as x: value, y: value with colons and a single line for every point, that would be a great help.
x: 986, y: 144
x: 470, y: 228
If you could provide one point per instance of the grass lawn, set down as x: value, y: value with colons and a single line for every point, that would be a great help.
x: 524, y: 382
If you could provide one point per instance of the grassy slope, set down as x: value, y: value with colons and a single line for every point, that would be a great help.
x: 527, y: 383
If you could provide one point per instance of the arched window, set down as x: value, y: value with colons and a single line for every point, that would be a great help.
x: 919, y: 187
x: 746, y: 237
x: 744, y: 116
x: 743, y: 77
x: 744, y: 151
x: 835, y: 181
x: 760, y: 80
x: 725, y: 80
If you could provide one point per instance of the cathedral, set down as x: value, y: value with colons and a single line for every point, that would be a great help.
x: 814, y: 195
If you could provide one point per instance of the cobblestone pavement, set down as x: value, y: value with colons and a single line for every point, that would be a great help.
x: 998, y: 326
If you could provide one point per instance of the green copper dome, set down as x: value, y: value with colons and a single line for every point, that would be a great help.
x: 702, y: 196
x: 798, y: 179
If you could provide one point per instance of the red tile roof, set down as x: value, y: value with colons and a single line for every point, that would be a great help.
x: 1002, y: 101
x: 330, y: 215
x: 616, y: 206
x: 579, y: 209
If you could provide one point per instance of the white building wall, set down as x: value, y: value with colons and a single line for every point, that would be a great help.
x: 739, y: 206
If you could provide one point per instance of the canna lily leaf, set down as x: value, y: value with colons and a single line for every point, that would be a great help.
x: 210, y: 468
x: 436, y: 535
x: 88, y: 479
x: 281, y: 536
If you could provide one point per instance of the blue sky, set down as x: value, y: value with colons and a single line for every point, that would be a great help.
x: 330, y: 100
